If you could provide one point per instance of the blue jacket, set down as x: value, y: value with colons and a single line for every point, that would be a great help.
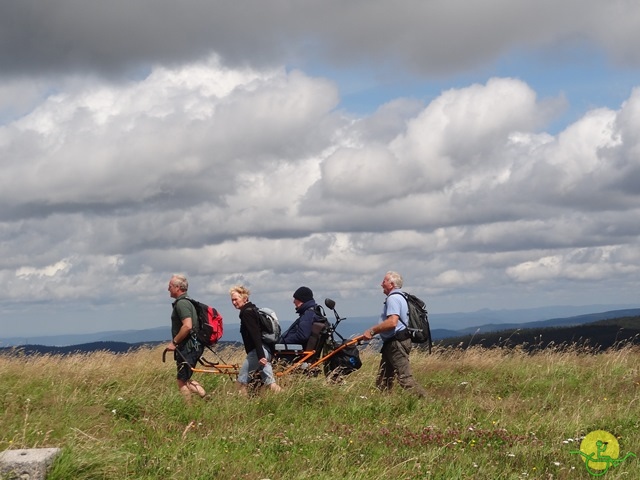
x: 300, y: 331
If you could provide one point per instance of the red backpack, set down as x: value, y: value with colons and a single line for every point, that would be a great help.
x: 209, y: 323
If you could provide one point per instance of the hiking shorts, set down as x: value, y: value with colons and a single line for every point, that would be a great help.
x: 191, y: 359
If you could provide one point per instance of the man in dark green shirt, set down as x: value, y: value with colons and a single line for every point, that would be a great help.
x: 187, y: 350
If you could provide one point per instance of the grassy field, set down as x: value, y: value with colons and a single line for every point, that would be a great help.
x: 492, y: 414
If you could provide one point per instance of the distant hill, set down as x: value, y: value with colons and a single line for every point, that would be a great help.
x: 468, y: 320
x: 554, y: 322
x: 159, y: 334
x: 604, y: 333
x: 443, y: 326
x: 113, y: 347
x: 441, y: 333
x: 600, y: 335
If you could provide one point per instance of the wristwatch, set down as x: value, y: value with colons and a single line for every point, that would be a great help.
x: 372, y: 333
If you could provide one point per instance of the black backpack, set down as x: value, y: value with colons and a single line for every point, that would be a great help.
x: 346, y: 360
x: 418, y: 326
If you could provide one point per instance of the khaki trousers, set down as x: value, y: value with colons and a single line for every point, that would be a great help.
x: 394, y: 361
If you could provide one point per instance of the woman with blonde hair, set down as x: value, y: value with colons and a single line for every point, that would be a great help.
x: 258, y: 355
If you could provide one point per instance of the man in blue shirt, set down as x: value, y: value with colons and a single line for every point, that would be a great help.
x: 396, y: 344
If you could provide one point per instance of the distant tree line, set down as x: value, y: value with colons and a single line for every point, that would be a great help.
x: 112, y: 347
x: 598, y: 336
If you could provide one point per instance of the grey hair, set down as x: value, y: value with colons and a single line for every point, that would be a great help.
x: 180, y: 281
x: 395, y: 278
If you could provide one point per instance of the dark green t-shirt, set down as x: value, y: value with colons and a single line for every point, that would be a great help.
x: 183, y: 308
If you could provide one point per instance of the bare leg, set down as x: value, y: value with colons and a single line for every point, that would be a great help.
x: 190, y: 387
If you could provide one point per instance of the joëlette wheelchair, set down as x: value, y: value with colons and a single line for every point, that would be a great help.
x: 326, y: 350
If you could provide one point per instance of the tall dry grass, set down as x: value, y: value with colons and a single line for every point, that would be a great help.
x: 492, y: 413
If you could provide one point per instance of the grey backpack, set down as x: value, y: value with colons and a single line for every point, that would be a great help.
x: 269, y: 325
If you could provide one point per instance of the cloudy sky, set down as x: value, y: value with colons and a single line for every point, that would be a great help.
x: 489, y: 151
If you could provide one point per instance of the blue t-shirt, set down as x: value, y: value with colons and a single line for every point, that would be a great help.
x: 394, y: 305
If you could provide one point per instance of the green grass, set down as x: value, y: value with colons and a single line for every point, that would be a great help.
x: 492, y: 414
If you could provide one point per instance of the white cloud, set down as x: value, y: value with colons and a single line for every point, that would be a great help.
x: 456, y: 278
x: 364, y: 176
x: 254, y: 176
x: 48, y: 271
x: 582, y: 264
x: 163, y: 137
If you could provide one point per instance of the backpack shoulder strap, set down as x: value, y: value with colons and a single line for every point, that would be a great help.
x: 407, y: 302
x: 259, y: 314
x: 175, y: 303
x: 399, y: 293
x: 194, y: 305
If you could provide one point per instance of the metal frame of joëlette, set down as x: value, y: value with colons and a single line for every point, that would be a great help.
x: 232, y: 370
x: 307, y: 354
